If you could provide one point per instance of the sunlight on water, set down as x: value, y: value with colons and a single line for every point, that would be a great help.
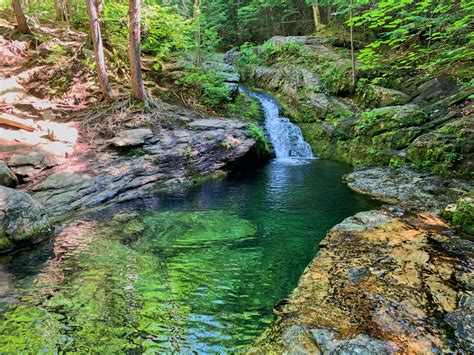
x: 200, y: 271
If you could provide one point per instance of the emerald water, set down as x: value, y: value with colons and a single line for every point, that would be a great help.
x: 197, y: 271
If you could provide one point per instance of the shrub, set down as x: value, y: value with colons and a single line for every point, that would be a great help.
x: 208, y: 85
x: 248, y: 56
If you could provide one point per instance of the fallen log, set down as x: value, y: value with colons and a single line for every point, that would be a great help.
x: 14, y: 121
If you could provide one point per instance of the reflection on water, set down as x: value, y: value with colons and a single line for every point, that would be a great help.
x: 197, y: 271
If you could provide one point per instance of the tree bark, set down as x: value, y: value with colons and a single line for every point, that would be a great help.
x: 20, y: 17
x: 92, y: 10
x: 58, y: 6
x: 352, y: 48
x: 316, y: 15
x: 138, y: 89
x: 196, y: 16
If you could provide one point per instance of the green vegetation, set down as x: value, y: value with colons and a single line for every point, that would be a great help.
x: 262, y: 144
x: 245, y: 107
x: 208, y: 85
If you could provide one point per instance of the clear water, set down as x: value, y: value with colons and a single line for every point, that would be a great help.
x: 285, y: 137
x: 197, y: 271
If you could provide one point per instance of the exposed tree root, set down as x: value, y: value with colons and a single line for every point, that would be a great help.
x: 107, y: 118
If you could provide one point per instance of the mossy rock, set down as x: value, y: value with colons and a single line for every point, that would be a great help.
x: 444, y: 151
x: 372, y: 96
x: 462, y: 214
x: 388, y: 118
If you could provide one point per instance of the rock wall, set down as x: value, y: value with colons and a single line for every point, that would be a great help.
x: 427, y: 124
x: 137, y: 161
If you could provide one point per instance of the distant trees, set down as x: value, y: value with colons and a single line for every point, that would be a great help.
x: 134, y: 50
x: 93, y: 11
x: 20, y: 17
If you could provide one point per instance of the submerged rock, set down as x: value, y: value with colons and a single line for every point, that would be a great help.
x: 22, y: 220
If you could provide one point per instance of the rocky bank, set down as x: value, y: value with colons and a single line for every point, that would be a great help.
x: 51, y: 153
x: 396, y: 280
x: 423, y: 123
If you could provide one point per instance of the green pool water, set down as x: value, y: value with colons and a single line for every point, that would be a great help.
x: 192, y: 272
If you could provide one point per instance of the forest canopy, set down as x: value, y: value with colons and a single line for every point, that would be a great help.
x: 421, y: 34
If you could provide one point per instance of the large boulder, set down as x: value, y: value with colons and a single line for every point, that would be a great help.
x: 407, y: 188
x: 7, y: 178
x: 131, y: 137
x: 300, y: 91
x: 377, y: 96
x: 22, y: 220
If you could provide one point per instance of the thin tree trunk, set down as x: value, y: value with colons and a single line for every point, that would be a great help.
x: 92, y: 10
x: 316, y: 15
x: 20, y: 17
x: 69, y: 11
x: 65, y: 12
x: 58, y: 6
x: 196, y: 15
x: 184, y: 4
x: 138, y: 89
x: 352, y: 48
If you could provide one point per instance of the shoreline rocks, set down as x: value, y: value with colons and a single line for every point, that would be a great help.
x: 7, y: 177
x: 381, y: 283
x: 136, y: 162
x: 23, y: 220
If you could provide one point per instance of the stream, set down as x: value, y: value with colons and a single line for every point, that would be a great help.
x: 193, y: 271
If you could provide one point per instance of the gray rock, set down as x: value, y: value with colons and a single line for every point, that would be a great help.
x: 7, y: 178
x: 363, y: 221
x: 231, y: 57
x: 380, y: 96
x: 131, y: 137
x: 22, y: 219
x: 406, y: 187
x: 462, y: 321
x: 215, y: 123
x: 361, y: 344
x: 101, y: 177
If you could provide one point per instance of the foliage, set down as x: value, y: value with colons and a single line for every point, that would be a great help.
x: 423, y: 35
x: 245, y: 107
x: 164, y: 32
x: 208, y: 84
x: 261, y: 141
x: 248, y: 56
x: 464, y: 215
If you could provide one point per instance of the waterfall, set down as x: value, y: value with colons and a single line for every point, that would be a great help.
x: 285, y: 137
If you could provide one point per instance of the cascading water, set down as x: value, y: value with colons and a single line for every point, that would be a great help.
x: 286, y: 137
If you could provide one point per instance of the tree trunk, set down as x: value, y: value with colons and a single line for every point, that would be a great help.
x: 352, y: 48
x: 184, y: 5
x: 138, y: 89
x: 58, y: 6
x: 20, y: 17
x: 196, y: 15
x: 92, y: 10
x: 316, y: 15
